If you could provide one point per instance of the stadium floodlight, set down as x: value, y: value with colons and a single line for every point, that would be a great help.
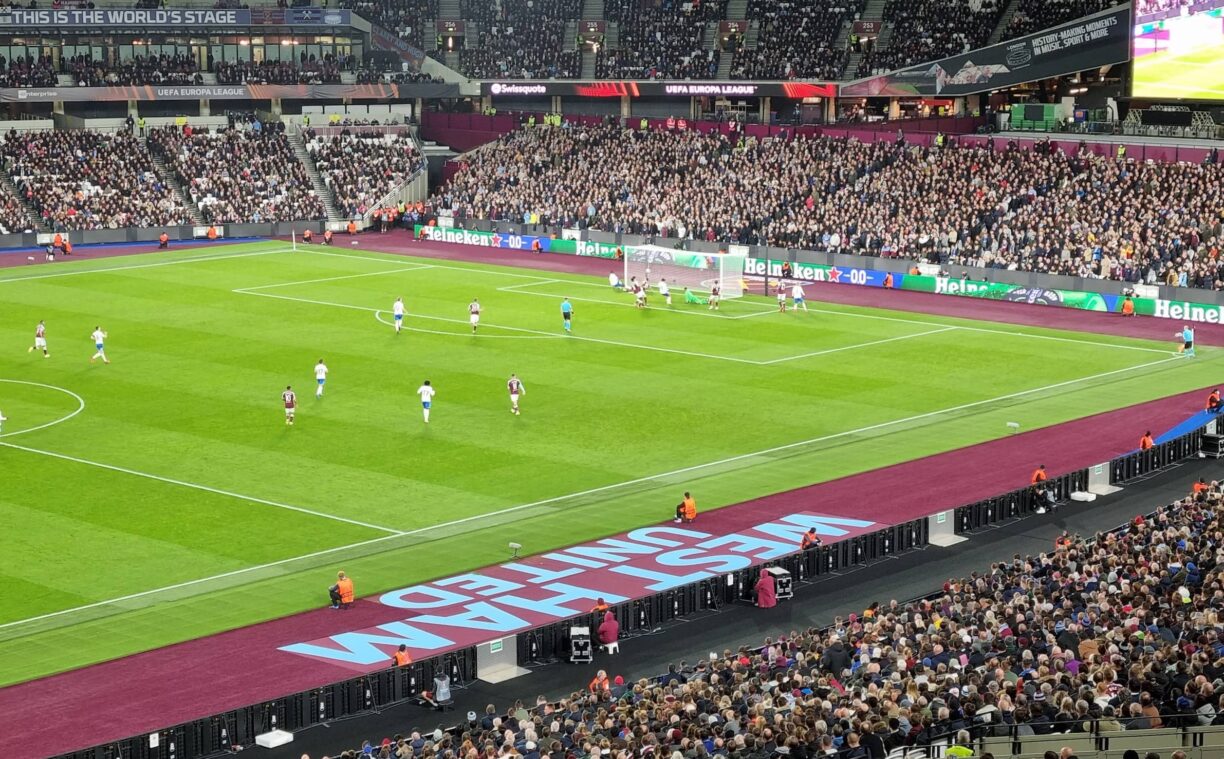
x: 686, y: 268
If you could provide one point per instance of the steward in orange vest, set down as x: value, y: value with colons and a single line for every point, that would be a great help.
x: 600, y: 683
x: 163, y: 241
x: 810, y: 540
x: 327, y: 237
x: 1199, y: 488
x: 1213, y: 400
x: 67, y: 247
x: 1039, y: 475
x: 1128, y: 307
x: 212, y: 232
x: 307, y: 236
x: 342, y: 592
x: 58, y: 242
x: 686, y: 510
x: 1146, y: 442
x: 600, y: 606
x: 352, y: 227
x: 401, y: 657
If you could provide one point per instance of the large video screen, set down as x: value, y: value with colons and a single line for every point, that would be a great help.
x: 1178, y: 49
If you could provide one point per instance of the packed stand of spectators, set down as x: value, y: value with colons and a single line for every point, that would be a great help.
x: 150, y: 69
x: 927, y: 30
x: 1163, y: 7
x: 1118, y: 634
x: 13, y: 218
x: 404, y: 17
x: 79, y: 180
x: 362, y: 166
x: 27, y: 71
x: 660, y: 39
x: 795, y: 40
x: 1036, y: 15
x: 369, y: 75
x: 244, y: 174
x: 1032, y: 210
x: 326, y: 71
x: 521, y: 39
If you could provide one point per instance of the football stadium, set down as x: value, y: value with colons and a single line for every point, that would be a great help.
x: 405, y: 378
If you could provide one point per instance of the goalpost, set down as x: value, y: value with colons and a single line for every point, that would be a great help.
x: 684, y: 268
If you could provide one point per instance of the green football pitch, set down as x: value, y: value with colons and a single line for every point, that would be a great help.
x: 162, y: 497
x: 1197, y: 75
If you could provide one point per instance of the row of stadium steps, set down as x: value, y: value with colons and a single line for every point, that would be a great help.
x: 571, y: 36
x: 842, y: 42
x: 1004, y: 22
x: 448, y: 10
x: 592, y: 8
x: 316, y: 179
x: 737, y: 10
x: 170, y: 177
x: 36, y: 221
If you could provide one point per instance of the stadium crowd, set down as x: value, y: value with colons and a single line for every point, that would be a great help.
x: 796, y: 39
x: 27, y: 71
x: 361, y: 167
x: 1031, y: 210
x: 660, y: 40
x: 1035, y: 15
x: 1115, y: 634
x: 79, y: 180
x: 13, y: 217
x: 312, y: 71
x: 927, y: 30
x: 142, y: 69
x: 1146, y: 7
x: 247, y: 175
x: 528, y: 47
x: 404, y: 17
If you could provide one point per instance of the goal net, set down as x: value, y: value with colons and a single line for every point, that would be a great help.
x: 683, y: 268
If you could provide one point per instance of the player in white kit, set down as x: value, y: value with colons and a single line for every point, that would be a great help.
x: 397, y: 310
x: 515, y: 386
x: 320, y: 378
x: 427, y: 393
x: 40, y: 340
x: 474, y: 315
x: 797, y: 295
x: 665, y: 290
x: 99, y: 338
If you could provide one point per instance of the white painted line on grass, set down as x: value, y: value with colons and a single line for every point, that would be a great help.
x: 465, y: 335
x: 859, y: 345
x: 590, y: 491
x: 333, y: 279
x: 205, y: 488
x: 174, y: 262
x: 511, y: 329
x: 80, y: 406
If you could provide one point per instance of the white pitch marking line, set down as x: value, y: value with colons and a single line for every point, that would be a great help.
x: 333, y: 279
x: 592, y: 491
x: 683, y: 311
x: 206, y: 488
x: 175, y: 262
x: 511, y: 329
x: 986, y: 330
x: 859, y: 345
x: 80, y: 406
x: 378, y: 317
x: 848, y: 314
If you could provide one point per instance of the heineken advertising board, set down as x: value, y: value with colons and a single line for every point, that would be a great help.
x: 517, y: 242
x: 1203, y: 313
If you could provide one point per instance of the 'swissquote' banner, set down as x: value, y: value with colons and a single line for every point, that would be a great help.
x: 1086, y: 43
x: 232, y: 92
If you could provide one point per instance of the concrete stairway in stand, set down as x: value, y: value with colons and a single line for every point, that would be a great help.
x: 316, y: 179
x: 1000, y: 32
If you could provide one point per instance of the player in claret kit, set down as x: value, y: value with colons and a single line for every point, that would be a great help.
x: 715, y: 292
x: 40, y: 340
x: 639, y: 292
x: 474, y: 315
x: 782, y: 299
x: 515, y: 386
x: 290, y: 399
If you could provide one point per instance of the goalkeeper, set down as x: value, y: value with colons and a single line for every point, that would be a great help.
x: 689, y: 297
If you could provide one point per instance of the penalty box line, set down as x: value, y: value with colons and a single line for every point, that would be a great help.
x: 205, y: 488
x: 596, y: 490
